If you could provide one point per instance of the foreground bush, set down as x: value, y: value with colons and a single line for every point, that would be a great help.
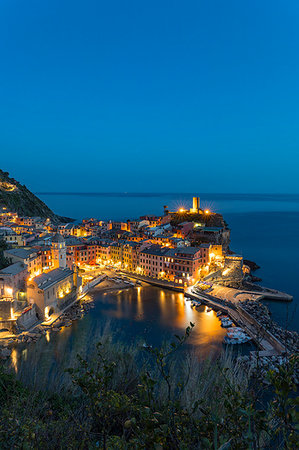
x: 166, y: 400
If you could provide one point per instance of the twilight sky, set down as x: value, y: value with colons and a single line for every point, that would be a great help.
x: 150, y: 96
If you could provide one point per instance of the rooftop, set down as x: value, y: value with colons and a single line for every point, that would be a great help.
x: 73, y: 241
x: 14, y: 269
x: 58, y: 238
x: 156, y: 250
x: 45, y: 280
x: 23, y: 253
x: 181, y: 251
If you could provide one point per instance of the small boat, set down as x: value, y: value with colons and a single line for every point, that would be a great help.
x: 237, y: 334
x: 236, y: 340
x: 235, y: 329
x: 209, y: 309
x: 218, y: 313
x: 226, y: 323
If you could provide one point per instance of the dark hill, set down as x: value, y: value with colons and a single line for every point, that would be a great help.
x: 17, y: 198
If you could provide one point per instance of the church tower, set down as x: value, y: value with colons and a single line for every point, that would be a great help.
x: 58, y: 252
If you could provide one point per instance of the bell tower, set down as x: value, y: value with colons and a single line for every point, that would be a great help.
x: 58, y: 251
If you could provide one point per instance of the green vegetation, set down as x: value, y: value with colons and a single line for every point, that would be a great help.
x: 151, y: 399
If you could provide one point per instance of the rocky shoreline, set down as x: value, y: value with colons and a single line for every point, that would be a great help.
x: 259, y: 365
x: 73, y: 313
x: 290, y: 339
x: 253, y: 266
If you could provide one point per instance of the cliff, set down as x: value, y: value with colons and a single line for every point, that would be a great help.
x: 17, y: 198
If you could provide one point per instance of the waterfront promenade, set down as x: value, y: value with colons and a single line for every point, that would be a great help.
x: 154, y: 281
x: 257, y: 293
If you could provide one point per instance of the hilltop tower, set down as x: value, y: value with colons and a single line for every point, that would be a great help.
x: 58, y: 251
x: 196, y: 205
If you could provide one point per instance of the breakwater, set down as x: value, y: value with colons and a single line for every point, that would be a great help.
x: 260, y: 335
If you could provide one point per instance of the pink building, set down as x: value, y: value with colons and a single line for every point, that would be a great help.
x: 151, y: 261
x: 182, y: 263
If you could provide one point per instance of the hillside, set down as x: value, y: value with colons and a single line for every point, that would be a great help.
x: 16, y: 197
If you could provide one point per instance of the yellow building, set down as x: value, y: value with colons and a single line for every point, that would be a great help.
x: 15, y: 239
x: 115, y: 252
x: 53, y: 291
x: 130, y: 256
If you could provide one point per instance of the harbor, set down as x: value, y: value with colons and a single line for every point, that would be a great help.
x: 51, y: 283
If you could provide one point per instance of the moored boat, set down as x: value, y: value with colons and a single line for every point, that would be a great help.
x: 236, y: 340
x: 225, y: 323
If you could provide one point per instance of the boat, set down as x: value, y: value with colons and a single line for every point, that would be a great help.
x: 195, y: 303
x: 235, y: 329
x: 238, y: 334
x: 218, y: 313
x: 236, y: 340
x: 223, y: 317
x: 226, y: 323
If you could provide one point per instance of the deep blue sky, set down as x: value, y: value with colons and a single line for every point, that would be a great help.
x: 173, y: 96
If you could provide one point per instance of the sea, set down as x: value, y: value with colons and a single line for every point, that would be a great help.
x: 264, y: 229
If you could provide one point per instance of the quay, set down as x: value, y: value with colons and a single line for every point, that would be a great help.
x: 256, y: 293
x: 264, y: 340
x: 154, y: 281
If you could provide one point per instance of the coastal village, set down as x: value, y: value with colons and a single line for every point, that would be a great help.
x: 50, y: 265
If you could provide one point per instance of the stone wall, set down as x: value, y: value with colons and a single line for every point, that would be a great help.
x: 28, y: 318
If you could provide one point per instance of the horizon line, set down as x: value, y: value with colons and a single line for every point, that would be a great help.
x: 164, y: 193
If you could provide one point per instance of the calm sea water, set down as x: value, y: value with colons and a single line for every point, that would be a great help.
x: 263, y: 229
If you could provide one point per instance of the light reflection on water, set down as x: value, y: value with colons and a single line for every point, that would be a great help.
x: 143, y: 314
x: 14, y: 359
